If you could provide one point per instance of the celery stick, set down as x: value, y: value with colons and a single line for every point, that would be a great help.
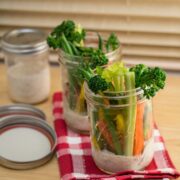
x: 117, y: 83
x: 122, y: 88
x: 130, y: 114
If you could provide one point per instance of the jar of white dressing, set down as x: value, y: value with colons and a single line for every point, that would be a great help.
x: 26, y: 57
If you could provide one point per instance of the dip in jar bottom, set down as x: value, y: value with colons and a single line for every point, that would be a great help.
x: 111, y: 163
x: 29, y: 83
x: 77, y: 122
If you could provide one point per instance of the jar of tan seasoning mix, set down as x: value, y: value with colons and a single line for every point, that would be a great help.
x: 26, y: 58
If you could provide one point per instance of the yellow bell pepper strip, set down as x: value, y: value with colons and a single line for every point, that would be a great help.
x: 81, y: 105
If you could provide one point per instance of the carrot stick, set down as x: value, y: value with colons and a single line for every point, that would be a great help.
x: 108, y: 130
x: 139, y: 134
x: 105, y: 133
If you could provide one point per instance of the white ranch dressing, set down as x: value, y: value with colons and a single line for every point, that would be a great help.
x: 29, y: 82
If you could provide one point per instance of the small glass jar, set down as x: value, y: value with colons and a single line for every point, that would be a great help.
x: 121, y: 130
x: 26, y: 57
x: 75, y: 110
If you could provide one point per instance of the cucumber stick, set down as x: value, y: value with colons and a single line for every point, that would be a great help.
x: 130, y: 114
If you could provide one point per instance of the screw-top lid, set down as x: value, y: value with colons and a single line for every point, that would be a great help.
x: 24, y: 41
x: 21, y: 109
x: 26, y: 142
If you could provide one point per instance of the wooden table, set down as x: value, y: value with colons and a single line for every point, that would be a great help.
x: 166, y: 110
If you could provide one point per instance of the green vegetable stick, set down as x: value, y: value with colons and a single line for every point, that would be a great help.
x: 100, y: 42
x: 112, y: 130
x: 66, y: 46
x: 72, y: 89
x: 130, y: 114
x: 74, y: 49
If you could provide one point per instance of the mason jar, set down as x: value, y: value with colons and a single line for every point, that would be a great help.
x: 121, y: 129
x: 74, y: 104
x: 26, y: 58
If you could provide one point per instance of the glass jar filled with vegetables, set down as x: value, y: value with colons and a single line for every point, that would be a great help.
x: 76, y: 46
x: 120, y: 111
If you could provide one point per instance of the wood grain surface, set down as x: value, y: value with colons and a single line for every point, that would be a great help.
x: 166, y: 107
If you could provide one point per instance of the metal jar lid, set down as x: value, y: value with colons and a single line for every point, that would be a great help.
x: 26, y: 142
x: 21, y: 109
x: 24, y: 41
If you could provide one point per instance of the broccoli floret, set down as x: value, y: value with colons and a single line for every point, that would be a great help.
x: 73, y: 33
x: 98, y: 58
x: 139, y: 70
x: 97, y: 83
x: 69, y: 37
x: 112, y: 42
x: 52, y: 42
x: 95, y: 57
x: 151, y: 80
x: 66, y: 27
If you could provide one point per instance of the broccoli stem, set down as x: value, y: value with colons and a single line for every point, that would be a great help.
x: 100, y: 42
x: 130, y: 114
x: 74, y: 49
x: 107, y: 47
x: 65, y: 45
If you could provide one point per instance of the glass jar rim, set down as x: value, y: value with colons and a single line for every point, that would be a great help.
x: 61, y: 52
x: 24, y: 41
x: 118, y: 95
x: 136, y: 91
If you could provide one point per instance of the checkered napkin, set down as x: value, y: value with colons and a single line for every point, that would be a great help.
x: 76, y: 162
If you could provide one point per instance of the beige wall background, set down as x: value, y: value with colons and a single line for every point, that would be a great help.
x: 149, y: 30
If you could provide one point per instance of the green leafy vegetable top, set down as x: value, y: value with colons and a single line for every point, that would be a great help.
x: 112, y: 42
x: 96, y: 57
x: 95, y: 82
x: 70, y: 37
x: 113, y: 78
x: 149, y: 79
x: 73, y: 33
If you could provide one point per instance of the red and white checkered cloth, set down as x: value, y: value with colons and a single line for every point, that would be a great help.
x: 76, y: 162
